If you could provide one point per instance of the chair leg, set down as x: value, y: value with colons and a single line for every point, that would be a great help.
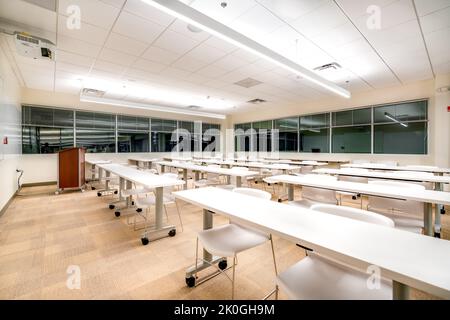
x: 234, y: 277
x: 196, y: 258
x: 274, y: 265
x: 165, y: 210
x: 179, y: 216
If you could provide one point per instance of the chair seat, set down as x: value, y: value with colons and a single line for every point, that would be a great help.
x: 151, y: 200
x: 412, y: 224
x: 227, y: 186
x: 315, y: 277
x: 230, y: 239
x: 304, y: 203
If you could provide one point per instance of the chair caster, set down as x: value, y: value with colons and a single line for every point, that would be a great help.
x: 172, y: 233
x: 354, y: 197
x: 442, y: 211
x: 99, y: 194
x: 117, y: 214
x: 92, y: 188
x: 116, y: 192
x: 279, y: 200
x: 223, y: 264
x: 144, y: 241
x: 139, y: 210
x: 132, y: 203
x: 111, y: 206
x: 437, y: 234
x: 190, y: 282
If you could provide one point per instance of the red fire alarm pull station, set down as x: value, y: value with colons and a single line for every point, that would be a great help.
x: 448, y: 109
x: 5, y: 140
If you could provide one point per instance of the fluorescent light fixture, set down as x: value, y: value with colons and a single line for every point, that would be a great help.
x: 150, y: 107
x: 193, y: 17
x: 391, y: 117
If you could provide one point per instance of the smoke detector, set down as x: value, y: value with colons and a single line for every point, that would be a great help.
x: 256, y: 101
x: 92, y: 92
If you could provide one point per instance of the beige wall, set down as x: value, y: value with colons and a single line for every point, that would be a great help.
x: 9, y: 154
x: 439, y: 122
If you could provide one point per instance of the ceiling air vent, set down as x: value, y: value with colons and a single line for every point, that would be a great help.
x: 194, y: 107
x: 92, y: 92
x: 333, y: 65
x: 257, y: 101
x: 248, y: 83
x: 46, y: 4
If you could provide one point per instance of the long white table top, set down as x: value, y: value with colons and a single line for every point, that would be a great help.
x: 375, y: 166
x: 146, y: 179
x: 138, y: 159
x: 412, y: 259
x: 428, y: 196
x: 96, y: 162
x: 222, y: 171
x: 386, y: 175
x: 273, y: 166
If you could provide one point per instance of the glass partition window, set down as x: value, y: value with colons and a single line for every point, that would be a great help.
x: 401, y: 128
x: 211, y: 137
x: 133, y: 134
x: 263, y: 131
x: 352, y: 131
x: 161, y: 135
x: 46, y: 130
x: 96, y: 132
x: 287, y: 134
x: 315, y: 133
x: 242, y: 137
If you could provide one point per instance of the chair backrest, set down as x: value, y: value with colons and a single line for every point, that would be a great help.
x: 389, y: 163
x: 354, y: 178
x: 317, y: 194
x: 427, y: 185
x: 169, y: 189
x: 407, y: 207
x: 353, y: 213
x: 254, y: 193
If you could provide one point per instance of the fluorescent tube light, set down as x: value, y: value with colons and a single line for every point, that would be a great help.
x: 191, y: 16
x: 391, y: 117
x: 150, y: 107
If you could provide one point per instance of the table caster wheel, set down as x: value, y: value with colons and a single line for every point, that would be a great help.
x: 437, y: 234
x: 172, y: 233
x: 442, y: 211
x: 132, y: 203
x: 145, y: 241
x: 111, y: 206
x: 92, y: 188
x: 279, y: 200
x: 99, y: 194
x: 117, y: 214
x: 354, y: 197
x: 190, y: 282
x: 223, y: 264
x: 139, y: 210
x: 116, y: 192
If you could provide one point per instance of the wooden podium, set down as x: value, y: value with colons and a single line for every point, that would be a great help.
x: 71, y: 174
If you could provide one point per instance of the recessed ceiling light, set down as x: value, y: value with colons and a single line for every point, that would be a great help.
x: 194, y: 29
x: 248, y: 82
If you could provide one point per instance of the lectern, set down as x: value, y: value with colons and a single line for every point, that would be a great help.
x: 71, y: 172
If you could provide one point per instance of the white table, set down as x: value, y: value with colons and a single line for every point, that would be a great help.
x: 428, y: 197
x: 146, y: 163
x: 274, y: 166
x: 409, y: 259
x: 239, y: 174
x: 375, y: 166
x: 150, y: 181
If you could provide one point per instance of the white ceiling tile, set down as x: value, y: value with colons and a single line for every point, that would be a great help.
x: 338, y: 36
x: 139, y: 74
x: 77, y: 46
x: 160, y: 55
x: 148, y: 66
x: 220, y: 44
x: 205, y: 53
x: 88, y: 33
x: 137, y: 28
x: 387, y: 37
x: 290, y: 10
x: 360, y: 8
x: 93, y: 12
x: 213, y: 9
x: 175, y: 42
x: 189, y: 64
x: 115, y: 3
x: 425, y: 7
x: 74, y: 59
x: 212, y: 71
x: 71, y: 68
x: 230, y: 62
x: 125, y: 44
x: 116, y: 57
x: 109, y: 67
x: 438, y: 45
x: 140, y: 8
x: 172, y: 72
x: 443, y: 68
x: 245, y: 55
x: 234, y: 76
x: 436, y: 21
x: 355, y: 48
x: 28, y: 14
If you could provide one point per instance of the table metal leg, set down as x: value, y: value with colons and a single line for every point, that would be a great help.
x: 290, y: 192
x: 185, y: 178
x: 400, y: 291
x: 238, y: 181
x: 159, y: 230
x: 439, y: 210
x: 163, y: 168
x: 428, y: 219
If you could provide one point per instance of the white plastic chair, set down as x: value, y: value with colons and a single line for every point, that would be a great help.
x: 233, y: 238
x: 319, y: 277
x: 212, y: 179
x: 407, y: 214
x: 311, y: 195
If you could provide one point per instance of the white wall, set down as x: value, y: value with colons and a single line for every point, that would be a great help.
x: 10, y: 121
x: 439, y: 120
